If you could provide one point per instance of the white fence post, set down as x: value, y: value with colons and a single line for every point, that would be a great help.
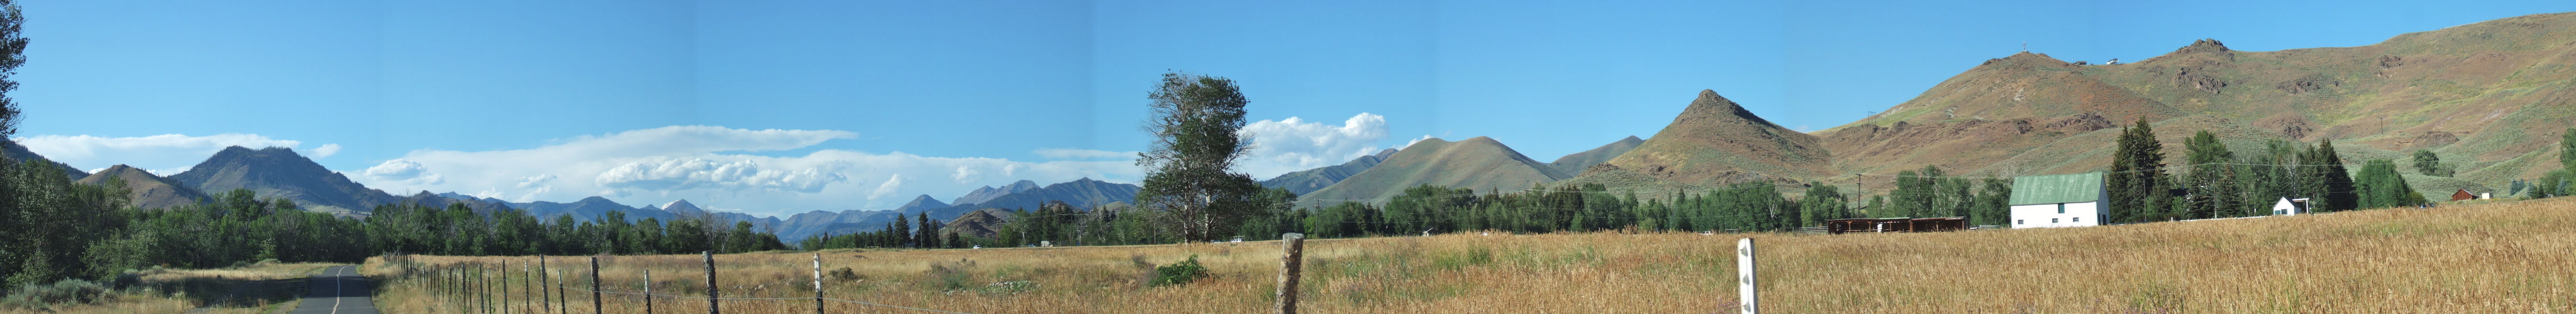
x: 1744, y: 269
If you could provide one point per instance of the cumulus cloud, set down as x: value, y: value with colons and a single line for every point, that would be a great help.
x: 697, y: 173
x: 888, y: 188
x: 1293, y: 144
x: 326, y: 151
x: 403, y: 171
x: 1068, y: 153
x: 166, y: 151
x: 705, y: 165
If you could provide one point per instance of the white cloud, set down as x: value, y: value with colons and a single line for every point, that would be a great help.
x: 326, y: 151
x: 888, y: 188
x: 535, y: 181
x: 695, y: 173
x: 703, y: 165
x: 1418, y: 140
x: 404, y: 171
x: 166, y: 151
x: 1292, y: 144
x: 1069, y: 153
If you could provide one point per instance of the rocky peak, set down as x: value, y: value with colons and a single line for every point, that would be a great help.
x: 1710, y: 107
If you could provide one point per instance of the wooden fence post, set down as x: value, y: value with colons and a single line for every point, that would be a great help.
x: 711, y: 282
x: 531, y: 283
x: 595, y: 307
x: 648, y: 291
x: 1291, y: 255
x: 818, y: 283
x: 1744, y: 268
x: 546, y: 297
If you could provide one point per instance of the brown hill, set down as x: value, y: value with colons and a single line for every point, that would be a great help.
x: 2490, y: 97
x: 1715, y: 142
x: 149, y: 191
x: 1478, y: 163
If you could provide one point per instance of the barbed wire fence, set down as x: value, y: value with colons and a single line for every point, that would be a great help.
x: 487, y: 288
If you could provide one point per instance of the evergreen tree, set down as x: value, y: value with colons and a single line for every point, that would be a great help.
x: 2334, y: 184
x: 2137, y: 163
x: 2210, y: 185
x: 2379, y: 185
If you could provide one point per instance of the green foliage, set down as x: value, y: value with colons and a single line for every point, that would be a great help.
x: 2379, y: 185
x: 2137, y: 163
x: 1181, y: 273
x: 2429, y: 163
x: 44, y: 296
x: 1822, y: 202
x: 1994, y: 203
x: 2212, y: 183
x: 1196, y: 123
x: 2567, y: 149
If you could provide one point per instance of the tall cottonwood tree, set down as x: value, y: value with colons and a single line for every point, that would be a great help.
x: 1190, y: 183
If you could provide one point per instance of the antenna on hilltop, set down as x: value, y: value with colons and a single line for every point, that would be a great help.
x: 2025, y: 46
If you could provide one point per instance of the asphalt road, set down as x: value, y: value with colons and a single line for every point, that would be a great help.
x: 338, y: 290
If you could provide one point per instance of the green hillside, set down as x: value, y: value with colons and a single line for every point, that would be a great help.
x: 1478, y: 163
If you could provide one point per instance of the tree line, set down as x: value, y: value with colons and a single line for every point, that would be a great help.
x: 59, y: 229
x: 2218, y: 182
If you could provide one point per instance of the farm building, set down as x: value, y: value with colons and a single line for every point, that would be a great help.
x: 2463, y: 195
x: 2290, y: 206
x: 2066, y: 200
x: 1899, y: 224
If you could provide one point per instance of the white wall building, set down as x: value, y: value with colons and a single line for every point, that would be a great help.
x: 2066, y: 200
x: 2290, y: 206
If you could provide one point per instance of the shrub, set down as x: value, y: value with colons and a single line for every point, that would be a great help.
x: 845, y: 274
x: 1179, y: 273
x: 68, y: 291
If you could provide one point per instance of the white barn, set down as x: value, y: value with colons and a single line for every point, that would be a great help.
x: 2290, y: 206
x: 2066, y: 200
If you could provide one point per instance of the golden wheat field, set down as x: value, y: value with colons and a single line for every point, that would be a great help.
x: 2517, y: 257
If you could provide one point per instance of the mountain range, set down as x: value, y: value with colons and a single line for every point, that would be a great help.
x: 281, y: 172
x: 2490, y: 98
x: 1309, y: 180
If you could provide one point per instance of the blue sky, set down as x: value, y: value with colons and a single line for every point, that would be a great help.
x: 836, y: 105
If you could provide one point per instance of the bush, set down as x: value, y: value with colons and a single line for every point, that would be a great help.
x: 845, y: 274
x: 68, y: 291
x: 1179, y: 273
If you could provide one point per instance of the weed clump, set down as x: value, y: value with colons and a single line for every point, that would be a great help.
x: 1179, y: 273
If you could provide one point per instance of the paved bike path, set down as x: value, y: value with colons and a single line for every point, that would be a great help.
x: 338, y: 290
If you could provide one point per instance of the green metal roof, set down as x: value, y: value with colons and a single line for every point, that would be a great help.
x: 2052, y: 189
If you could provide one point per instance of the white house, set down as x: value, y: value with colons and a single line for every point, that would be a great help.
x: 2066, y: 200
x: 2290, y: 206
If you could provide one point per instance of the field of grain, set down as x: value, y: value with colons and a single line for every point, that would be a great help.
x: 2510, y: 257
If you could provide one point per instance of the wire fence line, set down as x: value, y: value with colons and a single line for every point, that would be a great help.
x: 466, y: 280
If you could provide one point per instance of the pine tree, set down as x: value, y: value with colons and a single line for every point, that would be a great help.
x: 2333, y: 184
x: 2210, y: 185
x: 2137, y: 164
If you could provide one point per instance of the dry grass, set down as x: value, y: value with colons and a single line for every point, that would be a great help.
x: 2487, y: 258
x: 257, y: 288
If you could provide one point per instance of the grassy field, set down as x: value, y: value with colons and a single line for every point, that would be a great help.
x: 256, y: 288
x: 2508, y: 257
